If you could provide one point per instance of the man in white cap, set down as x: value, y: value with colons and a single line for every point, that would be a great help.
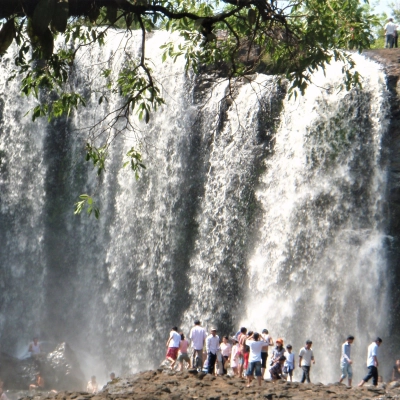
x: 212, y: 346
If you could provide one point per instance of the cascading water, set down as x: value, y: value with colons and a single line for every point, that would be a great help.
x: 254, y: 209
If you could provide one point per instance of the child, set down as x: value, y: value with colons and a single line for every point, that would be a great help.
x: 276, y: 370
x: 289, y: 363
x: 235, y: 357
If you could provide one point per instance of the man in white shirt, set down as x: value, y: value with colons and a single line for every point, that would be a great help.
x: 372, y: 363
x: 256, y: 346
x: 306, y: 357
x: 345, y: 360
x: 198, y: 336
x: 390, y: 29
x: 212, y: 346
x: 173, y: 346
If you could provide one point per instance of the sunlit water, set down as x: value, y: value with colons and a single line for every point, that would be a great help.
x: 258, y: 210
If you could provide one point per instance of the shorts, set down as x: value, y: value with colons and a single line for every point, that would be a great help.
x: 347, y: 370
x: 172, y: 352
x: 183, y: 357
x: 264, y: 357
x: 254, y: 366
x: 288, y: 370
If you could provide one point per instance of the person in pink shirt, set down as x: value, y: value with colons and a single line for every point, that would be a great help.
x: 183, y: 352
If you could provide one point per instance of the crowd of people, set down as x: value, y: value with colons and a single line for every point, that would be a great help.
x: 246, y: 353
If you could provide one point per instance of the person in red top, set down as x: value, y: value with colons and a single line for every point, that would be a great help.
x: 246, y: 349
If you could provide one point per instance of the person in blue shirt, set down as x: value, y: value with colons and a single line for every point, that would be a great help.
x: 345, y: 360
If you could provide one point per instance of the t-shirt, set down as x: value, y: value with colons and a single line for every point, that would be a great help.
x: 255, y: 349
x: 306, y: 356
x: 346, y: 347
x: 226, y: 349
x: 390, y: 27
x: 289, y: 360
x: 198, y: 336
x: 176, y: 338
x: 277, y: 352
x: 372, y: 351
x: 183, y: 346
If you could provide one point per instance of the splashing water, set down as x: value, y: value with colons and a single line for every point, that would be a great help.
x: 254, y: 209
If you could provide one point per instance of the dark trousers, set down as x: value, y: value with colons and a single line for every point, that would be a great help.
x: 306, y: 374
x: 212, y: 358
x: 372, y: 373
x: 224, y: 360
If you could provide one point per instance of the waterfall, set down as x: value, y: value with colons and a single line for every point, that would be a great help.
x: 255, y: 209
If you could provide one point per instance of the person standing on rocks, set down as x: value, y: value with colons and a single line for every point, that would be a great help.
x: 288, y: 367
x: 226, y: 350
x: 212, y: 345
x: 198, y: 337
x: 234, y: 356
x: 242, y: 334
x: 34, y: 348
x: 264, y: 353
x: 92, y: 386
x: 173, y: 346
x: 306, y: 357
x: 345, y: 361
x: 256, y: 346
x: 372, y: 363
x: 390, y: 29
x: 183, y: 350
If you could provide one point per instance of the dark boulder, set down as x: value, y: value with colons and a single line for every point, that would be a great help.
x: 60, y: 370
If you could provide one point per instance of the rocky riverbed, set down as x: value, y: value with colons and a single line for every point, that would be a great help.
x: 165, y: 384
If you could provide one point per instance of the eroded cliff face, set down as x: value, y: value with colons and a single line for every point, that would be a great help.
x: 390, y: 61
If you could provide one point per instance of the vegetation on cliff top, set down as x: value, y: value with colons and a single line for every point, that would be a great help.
x: 292, y: 38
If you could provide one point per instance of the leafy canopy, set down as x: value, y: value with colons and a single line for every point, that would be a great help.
x: 291, y: 38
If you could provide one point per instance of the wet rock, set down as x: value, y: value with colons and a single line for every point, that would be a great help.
x: 59, y: 368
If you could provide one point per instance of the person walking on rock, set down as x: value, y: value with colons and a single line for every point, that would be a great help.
x: 306, y: 357
x: 345, y: 361
x: 173, y: 346
x: 372, y: 362
x: 198, y: 337
x: 390, y: 29
x: 212, y: 345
